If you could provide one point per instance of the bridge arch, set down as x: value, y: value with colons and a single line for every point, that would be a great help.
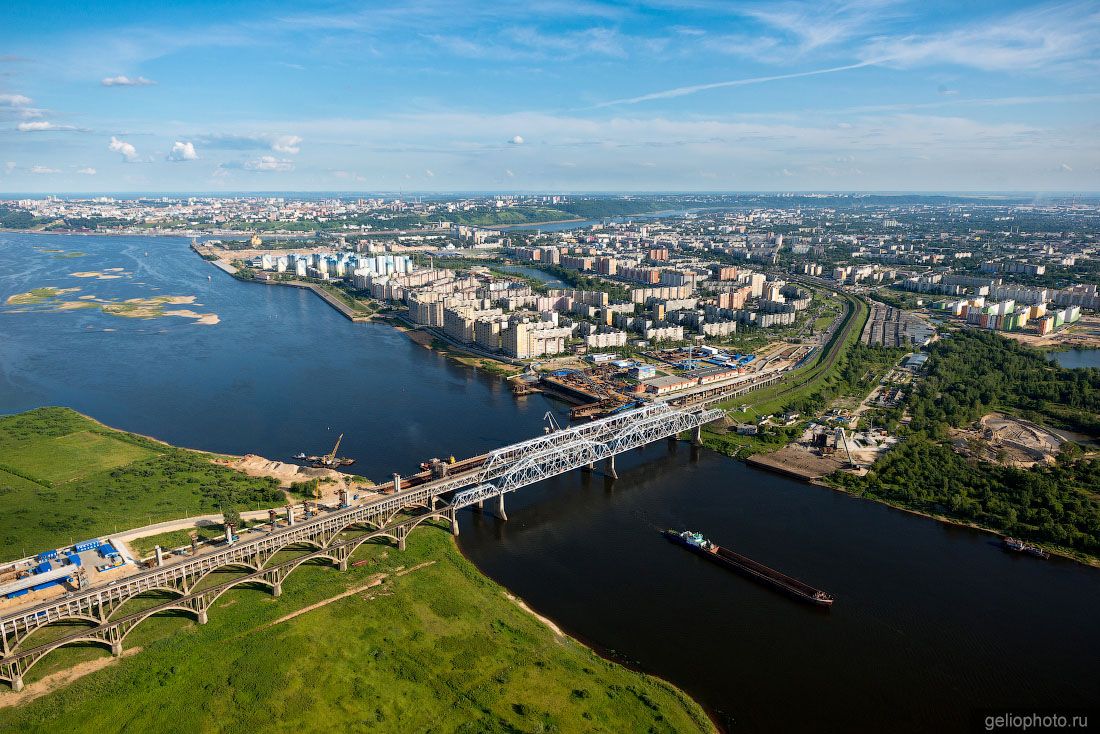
x: 160, y: 610
x: 45, y: 651
x: 229, y: 564
x: 17, y: 640
x: 117, y: 604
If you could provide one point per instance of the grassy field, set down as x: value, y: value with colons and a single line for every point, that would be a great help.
x: 440, y: 648
x: 65, y: 478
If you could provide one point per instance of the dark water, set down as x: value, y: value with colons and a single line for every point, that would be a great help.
x: 930, y: 621
x: 1077, y: 358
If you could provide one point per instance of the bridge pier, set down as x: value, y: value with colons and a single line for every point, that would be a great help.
x: 402, y: 534
x: 500, y: 508
x: 16, y: 682
x: 342, y: 564
x: 116, y: 648
x: 480, y: 505
x: 588, y: 467
x: 160, y: 556
x: 202, y: 612
x: 289, y: 515
x: 276, y: 589
x: 610, y: 468
x: 697, y: 436
x: 454, y: 522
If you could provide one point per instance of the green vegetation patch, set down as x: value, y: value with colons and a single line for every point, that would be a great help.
x: 438, y: 649
x: 65, y: 478
x: 73, y: 456
x: 38, y: 296
x: 1058, y: 504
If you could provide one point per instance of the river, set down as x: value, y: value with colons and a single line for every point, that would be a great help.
x: 1077, y: 358
x: 930, y: 621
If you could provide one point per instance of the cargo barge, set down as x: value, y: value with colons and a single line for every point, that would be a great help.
x: 1014, y: 544
x: 696, y: 543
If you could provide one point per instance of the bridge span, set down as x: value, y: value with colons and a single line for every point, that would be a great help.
x: 497, y: 473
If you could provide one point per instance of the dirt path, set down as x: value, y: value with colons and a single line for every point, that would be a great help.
x: 60, y: 679
x: 375, y: 580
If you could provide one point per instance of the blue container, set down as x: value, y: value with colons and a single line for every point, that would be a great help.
x: 46, y: 555
x: 14, y: 594
x: 46, y: 585
x: 107, y: 550
x: 87, y: 545
x: 74, y: 559
x: 43, y: 567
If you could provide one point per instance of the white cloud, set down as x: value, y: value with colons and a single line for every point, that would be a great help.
x: 1065, y: 167
x: 269, y: 163
x: 508, y: 173
x: 14, y: 100
x: 43, y: 170
x: 183, y: 152
x: 128, y: 151
x: 86, y: 171
x: 42, y: 126
x: 286, y: 144
x: 516, y: 140
x: 428, y: 172
x: 9, y: 167
x: 1026, y: 40
x: 127, y: 81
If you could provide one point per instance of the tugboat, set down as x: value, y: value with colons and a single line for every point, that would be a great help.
x: 1015, y: 544
x: 696, y: 543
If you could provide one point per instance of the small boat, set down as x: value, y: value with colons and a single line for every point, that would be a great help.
x: 300, y: 455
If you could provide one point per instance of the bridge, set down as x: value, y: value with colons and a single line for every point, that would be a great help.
x: 385, y: 519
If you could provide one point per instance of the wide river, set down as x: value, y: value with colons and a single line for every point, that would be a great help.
x: 931, y: 622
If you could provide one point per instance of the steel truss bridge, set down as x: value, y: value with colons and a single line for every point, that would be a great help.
x: 328, y: 535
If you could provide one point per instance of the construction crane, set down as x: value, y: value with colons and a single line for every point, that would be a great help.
x: 552, y: 425
x: 330, y: 460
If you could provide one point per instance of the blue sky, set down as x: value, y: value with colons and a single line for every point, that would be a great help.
x: 549, y: 95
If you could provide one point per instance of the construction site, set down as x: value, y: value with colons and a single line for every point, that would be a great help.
x: 1008, y: 441
x: 608, y: 384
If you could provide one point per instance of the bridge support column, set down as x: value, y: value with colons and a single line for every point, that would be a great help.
x: 342, y: 564
x: 160, y: 556
x: 401, y: 541
x: 588, y: 467
x: 611, y: 467
x: 17, y: 682
x: 396, y: 483
x: 454, y: 522
x: 500, y: 508
x: 202, y: 612
x: 276, y: 589
x: 289, y: 515
x: 697, y: 436
x: 116, y: 648
x: 480, y: 505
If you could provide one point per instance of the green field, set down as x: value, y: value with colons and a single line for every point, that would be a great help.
x: 66, y: 478
x: 437, y: 648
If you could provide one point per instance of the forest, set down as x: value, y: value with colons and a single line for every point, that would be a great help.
x: 969, y: 374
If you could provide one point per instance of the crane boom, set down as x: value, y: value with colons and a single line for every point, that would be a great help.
x: 332, y: 454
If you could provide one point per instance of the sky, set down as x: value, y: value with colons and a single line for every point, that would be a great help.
x: 549, y: 95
